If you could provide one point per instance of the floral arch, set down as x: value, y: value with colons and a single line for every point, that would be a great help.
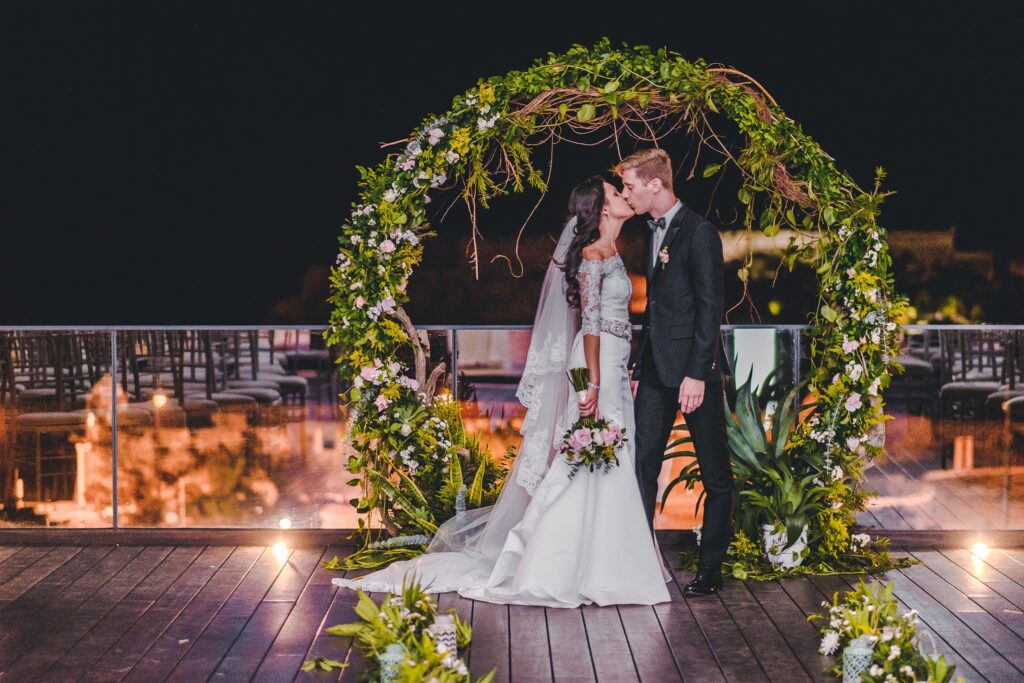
x: 417, y: 464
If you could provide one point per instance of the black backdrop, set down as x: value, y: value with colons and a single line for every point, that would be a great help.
x: 190, y: 162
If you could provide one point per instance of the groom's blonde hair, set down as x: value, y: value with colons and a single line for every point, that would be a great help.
x: 648, y: 164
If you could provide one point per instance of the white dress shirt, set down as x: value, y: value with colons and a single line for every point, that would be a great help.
x: 659, y: 234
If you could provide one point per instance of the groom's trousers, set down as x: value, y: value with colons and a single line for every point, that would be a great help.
x: 656, y: 408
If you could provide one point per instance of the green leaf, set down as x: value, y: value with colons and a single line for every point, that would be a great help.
x: 829, y: 215
x: 772, y: 230
x: 610, y: 86
x: 643, y: 99
x: 476, y: 491
x: 366, y: 609
x: 711, y: 169
x: 828, y: 314
x: 586, y: 112
x: 563, y: 109
x: 346, y: 630
x: 744, y: 196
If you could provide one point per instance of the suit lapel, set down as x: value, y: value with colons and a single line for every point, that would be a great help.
x: 673, y: 230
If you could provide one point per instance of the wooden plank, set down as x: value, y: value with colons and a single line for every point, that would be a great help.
x: 570, y: 652
x: 14, y: 586
x: 765, y: 639
x: 330, y: 646
x: 19, y: 616
x: 690, y: 648
x: 996, y: 570
x: 53, y: 643
x: 289, y: 648
x: 33, y: 620
x: 530, y: 652
x: 8, y: 550
x: 792, y: 624
x: 17, y: 562
x: 177, y: 639
x: 609, y: 647
x: 651, y: 652
x: 246, y: 653
x: 945, y: 589
x: 1005, y: 608
x: 733, y: 653
x: 217, y: 638
x: 490, y: 646
x: 121, y: 618
x: 118, y: 660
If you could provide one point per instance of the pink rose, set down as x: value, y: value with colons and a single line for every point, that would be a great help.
x: 387, y: 246
x: 381, y: 402
x: 853, y: 402
x: 583, y: 437
x: 850, y: 346
x: 368, y: 373
x: 360, y: 302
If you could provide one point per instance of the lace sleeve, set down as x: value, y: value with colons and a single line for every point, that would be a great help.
x: 589, y: 277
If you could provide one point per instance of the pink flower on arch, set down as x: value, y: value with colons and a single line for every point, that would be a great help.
x: 853, y: 402
x: 381, y: 402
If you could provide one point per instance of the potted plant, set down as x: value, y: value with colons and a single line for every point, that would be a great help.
x: 786, y: 505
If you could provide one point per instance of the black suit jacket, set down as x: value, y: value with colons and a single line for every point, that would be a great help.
x: 685, y: 304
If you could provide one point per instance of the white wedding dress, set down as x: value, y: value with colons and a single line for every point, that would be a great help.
x: 574, y: 541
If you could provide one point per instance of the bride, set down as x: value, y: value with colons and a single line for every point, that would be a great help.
x: 550, y: 540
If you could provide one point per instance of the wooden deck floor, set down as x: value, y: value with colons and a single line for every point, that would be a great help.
x: 102, y: 613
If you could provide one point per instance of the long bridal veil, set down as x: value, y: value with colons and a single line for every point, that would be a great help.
x: 544, y: 391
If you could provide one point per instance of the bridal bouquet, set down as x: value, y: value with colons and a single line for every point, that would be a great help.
x: 590, y: 442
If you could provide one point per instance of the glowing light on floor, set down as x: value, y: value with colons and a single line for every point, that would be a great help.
x: 980, y: 550
x: 285, y: 523
x: 280, y: 552
x: 159, y: 399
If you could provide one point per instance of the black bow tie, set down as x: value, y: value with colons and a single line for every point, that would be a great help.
x: 656, y: 224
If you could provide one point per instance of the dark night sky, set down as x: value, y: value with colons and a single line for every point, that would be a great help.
x: 188, y: 162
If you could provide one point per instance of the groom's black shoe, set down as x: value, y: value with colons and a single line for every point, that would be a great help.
x: 707, y: 582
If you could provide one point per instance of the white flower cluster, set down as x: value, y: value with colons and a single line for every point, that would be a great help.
x: 451, y: 660
x: 858, y: 541
x: 444, y: 444
x: 411, y: 464
x: 483, y: 122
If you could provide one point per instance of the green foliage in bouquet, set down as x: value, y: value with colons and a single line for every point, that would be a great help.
x: 405, y: 619
x: 871, y: 613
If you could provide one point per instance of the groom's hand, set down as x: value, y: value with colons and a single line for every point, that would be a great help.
x: 632, y: 383
x: 691, y: 394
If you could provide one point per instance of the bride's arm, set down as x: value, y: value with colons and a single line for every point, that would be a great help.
x: 589, y: 277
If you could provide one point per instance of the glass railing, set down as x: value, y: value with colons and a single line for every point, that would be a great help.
x: 242, y: 427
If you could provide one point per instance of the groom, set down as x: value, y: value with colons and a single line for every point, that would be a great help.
x: 680, y: 361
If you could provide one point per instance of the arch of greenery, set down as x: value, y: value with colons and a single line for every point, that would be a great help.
x: 413, y: 459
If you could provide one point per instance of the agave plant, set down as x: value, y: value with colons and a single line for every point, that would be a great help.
x: 760, y: 459
x: 787, y: 500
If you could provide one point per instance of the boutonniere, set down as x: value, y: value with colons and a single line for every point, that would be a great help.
x: 663, y: 256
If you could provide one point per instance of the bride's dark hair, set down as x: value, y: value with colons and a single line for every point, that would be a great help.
x: 585, y: 202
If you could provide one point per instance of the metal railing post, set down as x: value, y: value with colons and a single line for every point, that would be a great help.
x: 113, y: 423
x: 455, y: 364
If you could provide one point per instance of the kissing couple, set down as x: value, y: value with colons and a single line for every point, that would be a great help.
x: 560, y: 536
